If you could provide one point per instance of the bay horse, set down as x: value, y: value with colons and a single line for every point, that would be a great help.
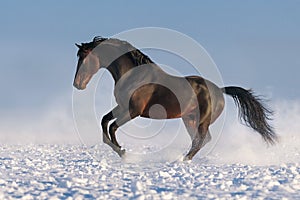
x: 143, y: 89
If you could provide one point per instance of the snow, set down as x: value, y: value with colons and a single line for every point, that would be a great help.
x: 47, y: 171
x: 239, y: 166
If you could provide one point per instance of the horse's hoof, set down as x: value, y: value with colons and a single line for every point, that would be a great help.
x: 106, y: 140
x: 187, y: 158
x: 121, y: 152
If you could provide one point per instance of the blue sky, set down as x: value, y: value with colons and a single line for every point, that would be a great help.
x: 255, y: 44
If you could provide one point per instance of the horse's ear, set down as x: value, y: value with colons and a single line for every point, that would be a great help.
x: 77, y: 45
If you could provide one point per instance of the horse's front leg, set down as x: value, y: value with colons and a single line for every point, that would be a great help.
x: 121, y: 119
x: 104, y: 123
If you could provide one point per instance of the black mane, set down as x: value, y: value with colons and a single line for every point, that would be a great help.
x: 140, y: 58
x: 136, y: 55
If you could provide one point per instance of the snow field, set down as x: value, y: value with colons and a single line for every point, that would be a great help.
x: 73, y: 172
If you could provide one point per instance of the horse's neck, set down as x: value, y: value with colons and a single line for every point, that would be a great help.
x: 118, y: 61
x: 114, y: 58
x: 120, y: 67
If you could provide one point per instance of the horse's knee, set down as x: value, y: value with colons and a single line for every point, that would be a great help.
x: 104, y: 124
x: 105, y: 120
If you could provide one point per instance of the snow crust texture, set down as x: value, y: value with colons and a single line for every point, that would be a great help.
x: 78, y: 172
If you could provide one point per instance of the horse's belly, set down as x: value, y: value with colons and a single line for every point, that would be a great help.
x: 162, y: 111
x: 168, y: 107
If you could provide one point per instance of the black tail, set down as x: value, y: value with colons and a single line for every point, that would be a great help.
x: 253, y: 112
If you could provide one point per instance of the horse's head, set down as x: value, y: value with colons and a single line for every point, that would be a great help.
x: 88, y: 63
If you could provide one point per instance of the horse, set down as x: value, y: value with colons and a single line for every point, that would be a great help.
x: 143, y: 89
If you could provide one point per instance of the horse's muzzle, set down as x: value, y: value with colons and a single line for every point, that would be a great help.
x: 78, y: 86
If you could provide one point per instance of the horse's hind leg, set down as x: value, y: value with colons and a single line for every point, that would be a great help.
x: 207, y: 139
x: 198, y: 141
x: 192, y: 128
x: 191, y: 125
